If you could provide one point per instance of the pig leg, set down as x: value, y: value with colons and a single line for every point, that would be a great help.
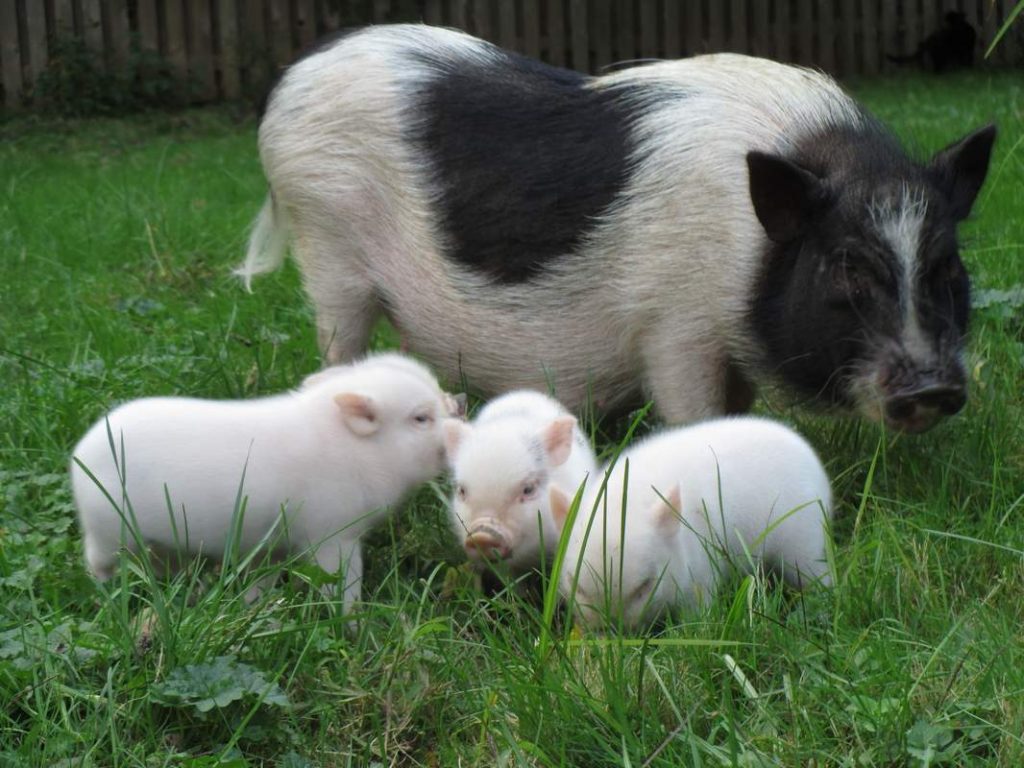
x: 344, y: 299
x: 336, y: 552
x: 687, y: 385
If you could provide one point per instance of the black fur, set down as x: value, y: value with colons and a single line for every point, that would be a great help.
x: 527, y: 157
x: 829, y: 291
x: 947, y: 48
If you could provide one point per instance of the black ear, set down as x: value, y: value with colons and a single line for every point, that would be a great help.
x: 784, y: 195
x: 961, y: 169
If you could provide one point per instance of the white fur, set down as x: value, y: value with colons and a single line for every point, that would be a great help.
x: 332, y: 455
x: 698, y: 502
x: 654, y: 302
x: 503, y: 450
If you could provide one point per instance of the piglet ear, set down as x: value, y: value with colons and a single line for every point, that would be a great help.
x: 961, y: 169
x: 785, y: 196
x: 559, y: 506
x: 455, y: 433
x: 669, y: 511
x: 359, y: 412
x: 557, y: 439
x: 455, y: 405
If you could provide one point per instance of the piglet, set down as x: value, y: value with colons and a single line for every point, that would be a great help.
x: 699, y: 502
x: 504, y: 465
x: 330, y: 457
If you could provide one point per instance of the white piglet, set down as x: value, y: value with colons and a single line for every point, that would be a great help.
x: 330, y: 456
x: 504, y: 466
x: 699, y: 502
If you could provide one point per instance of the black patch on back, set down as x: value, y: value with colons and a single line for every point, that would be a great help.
x: 526, y: 157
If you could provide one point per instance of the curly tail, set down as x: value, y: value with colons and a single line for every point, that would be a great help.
x: 268, y: 242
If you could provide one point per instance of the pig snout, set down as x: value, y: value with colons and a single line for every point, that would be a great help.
x: 918, y: 407
x: 487, y: 541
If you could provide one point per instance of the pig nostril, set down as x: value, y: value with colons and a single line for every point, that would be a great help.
x: 900, y: 409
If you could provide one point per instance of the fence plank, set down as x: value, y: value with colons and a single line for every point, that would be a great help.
x: 64, y: 18
x: 911, y: 29
x: 737, y: 38
x: 694, y: 29
x: 649, y: 29
x: 601, y: 33
x: 531, y: 28
x: 482, y: 26
x: 432, y: 13
x: 783, y: 30
x: 459, y: 14
x: 805, y: 32
x: 329, y: 13
x: 672, y: 40
x: 508, y: 36
x: 177, y: 53
x: 253, y: 46
x: 848, y: 65
x: 305, y: 20
x: 888, y: 33
x: 826, y: 36
x: 200, y: 49
x: 761, y: 44
x: 556, y: 33
x: 92, y: 25
x: 869, y: 34
x: 716, y: 26
x: 580, y: 38
x: 381, y: 11
x: 1010, y: 44
x: 149, y: 34
x: 35, y: 28
x: 280, y: 34
x: 119, y: 34
x: 927, y: 19
x: 10, y: 54
x: 230, y: 77
x: 626, y: 38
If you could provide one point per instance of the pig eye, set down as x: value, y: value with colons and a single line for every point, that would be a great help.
x: 851, y: 284
x: 423, y: 419
x: 461, y: 492
x: 529, y: 491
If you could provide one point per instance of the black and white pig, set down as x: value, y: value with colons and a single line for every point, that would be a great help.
x: 679, y: 231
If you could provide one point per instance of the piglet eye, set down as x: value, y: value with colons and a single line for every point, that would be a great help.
x: 461, y: 492
x: 423, y: 418
x: 529, y: 490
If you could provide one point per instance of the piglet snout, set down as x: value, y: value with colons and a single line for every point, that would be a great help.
x: 486, y: 541
x: 918, y: 409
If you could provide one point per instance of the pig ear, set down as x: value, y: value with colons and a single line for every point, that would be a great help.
x: 455, y: 434
x: 557, y: 438
x: 784, y: 195
x: 559, y: 506
x: 962, y: 167
x: 455, y: 405
x: 669, y: 511
x: 359, y: 412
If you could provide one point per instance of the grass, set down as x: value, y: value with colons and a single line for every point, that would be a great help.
x: 117, y: 237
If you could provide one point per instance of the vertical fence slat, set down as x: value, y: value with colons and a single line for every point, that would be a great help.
x: 672, y: 39
x: 117, y: 26
x: 280, y: 33
x: 458, y: 9
x: 805, y: 32
x: 35, y: 27
x: 580, y: 38
x: 556, y: 33
x: 848, y: 62
x: 531, y: 28
x: 253, y: 45
x: 149, y: 35
x: 10, y: 54
x: 826, y: 36
x: 92, y: 25
x: 64, y: 18
x: 432, y: 13
x: 1010, y: 44
x: 927, y: 19
x: 716, y: 26
x: 601, y: 33
x: 694, y: 29
x: 649, y: 29
x: 988, y: 29
x: 174, y: 27
x: 508, y: 36
x: 482, y: 26
x: 381, y: 11
x: 783, y: 30
x: 230, y: 76
x: 738, y: 36
x: 200, y: 49
x: 869, y: 34
x: 911, y: 28
x: 761, y: 45
x: 626, y: 37
x: 887, y: 32
x: 305, y: 20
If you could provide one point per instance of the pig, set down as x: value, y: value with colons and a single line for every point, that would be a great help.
x: 330, y: 456
x: 683, y: 231
x: 504, y: 465
x: 686, y: 507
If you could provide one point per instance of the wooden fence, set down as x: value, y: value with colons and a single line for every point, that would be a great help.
x: 225, y: 49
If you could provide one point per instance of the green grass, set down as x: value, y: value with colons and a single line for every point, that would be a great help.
x: 116, y: 239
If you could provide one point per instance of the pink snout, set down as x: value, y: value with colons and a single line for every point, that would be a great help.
x: 487, y: 541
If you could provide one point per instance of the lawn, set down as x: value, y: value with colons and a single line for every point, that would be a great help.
x: 117, y: 238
